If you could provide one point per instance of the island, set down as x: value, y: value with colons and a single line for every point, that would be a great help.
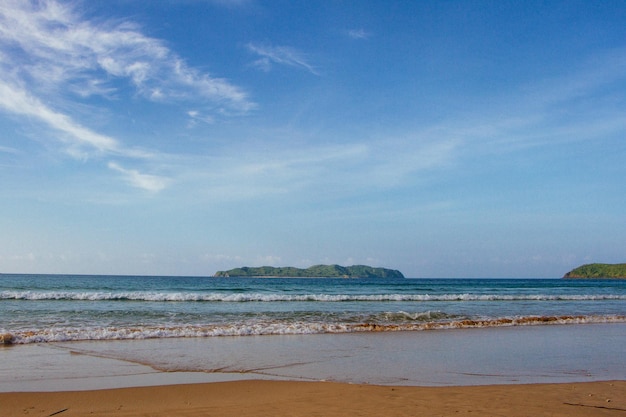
x: 317, y: 271
x: 598, y: 271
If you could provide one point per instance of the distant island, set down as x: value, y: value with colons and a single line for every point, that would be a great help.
x: 598, y: 271
x: 317, y: 271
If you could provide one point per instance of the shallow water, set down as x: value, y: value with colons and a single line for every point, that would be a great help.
x: 538, y: 354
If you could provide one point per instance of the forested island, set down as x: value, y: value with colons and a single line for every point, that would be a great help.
x: 317, y: 271
x: 598, y: 271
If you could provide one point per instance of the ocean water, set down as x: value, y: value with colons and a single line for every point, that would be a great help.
x: 61, y: 308
x: 89, y: 332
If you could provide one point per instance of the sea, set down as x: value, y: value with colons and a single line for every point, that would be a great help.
x: 53, y: 308
x: 278, y: 317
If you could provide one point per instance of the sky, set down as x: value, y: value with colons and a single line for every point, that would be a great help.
x: 441, y: 138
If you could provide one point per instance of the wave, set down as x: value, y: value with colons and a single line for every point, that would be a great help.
x: 261, y: 297
x: 282, y: 328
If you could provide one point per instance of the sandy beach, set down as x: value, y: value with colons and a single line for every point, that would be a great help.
x: 114, y: 379
x: 556, y: 370
x: 288, y: 398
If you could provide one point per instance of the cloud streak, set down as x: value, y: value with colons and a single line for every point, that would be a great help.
x: 358, y: 34
x: 282, y: 55
x: 55, y: 48
x: 317, y: 171
x: 50, y: 56
x: 528, y: 116
x: 22, y: 103
x: 152, y: 183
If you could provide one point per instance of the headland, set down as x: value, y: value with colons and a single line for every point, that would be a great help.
x: 317, y: 271
x: 598, y: 271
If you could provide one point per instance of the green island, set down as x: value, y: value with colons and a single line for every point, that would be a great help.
x: 317, y: 271
x: 598, y: 271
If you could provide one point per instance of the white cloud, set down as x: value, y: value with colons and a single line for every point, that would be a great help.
x: 52, y: 45
x: 247, y: 172
x: 578, y: 105
x: 148, y: 182
x: 358, y: 34
x: 394, y: 161
x: 593, y: 76
x: 80, y: 141
x: 20, y: 102
x: 6, y: 149
x: 196, y: 116
x: 50, y: 55
x: 283, y: 55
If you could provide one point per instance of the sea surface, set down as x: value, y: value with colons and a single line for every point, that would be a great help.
x: 87, y: 332
x: 59, y: 308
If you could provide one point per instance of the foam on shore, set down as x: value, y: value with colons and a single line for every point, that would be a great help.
x: 391, y: 322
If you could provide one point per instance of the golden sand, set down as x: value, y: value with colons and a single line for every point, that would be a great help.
x: 285, y: 398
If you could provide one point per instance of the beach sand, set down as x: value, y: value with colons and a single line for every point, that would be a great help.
x: 290, y: 398
x: 489, y: 372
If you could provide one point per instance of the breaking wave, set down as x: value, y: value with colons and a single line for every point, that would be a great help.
x: 66, y: 334
x: 261, y: 297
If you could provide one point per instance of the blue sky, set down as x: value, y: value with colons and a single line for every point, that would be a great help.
x: 444, y: 139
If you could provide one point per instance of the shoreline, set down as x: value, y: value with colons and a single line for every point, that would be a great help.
x: 456, y: 357
x: 511, y: 372
x: 293, y: 398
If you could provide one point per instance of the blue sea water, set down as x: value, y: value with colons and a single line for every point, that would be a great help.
x: 60, y: 308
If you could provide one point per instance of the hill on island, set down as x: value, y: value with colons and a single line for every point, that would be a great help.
x: 317, y: 271
x: 599, y: 271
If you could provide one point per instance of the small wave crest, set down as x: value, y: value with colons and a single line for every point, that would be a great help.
x: 260, y: 297
x: 296, y: 328
x: 424, y: 316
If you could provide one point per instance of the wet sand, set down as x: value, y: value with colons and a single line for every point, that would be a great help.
x: 494, y: 356
x: 290, y: 398
x: 546, y: 370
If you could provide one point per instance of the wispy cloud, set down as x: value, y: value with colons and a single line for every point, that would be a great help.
x: 592, y: 77
x: 5, y: 149
x: 51, y: 55
x: 246, y: 172
x: 396, y: 161
x: 578, y: 105
x: 358, y: 34
x: 50, y: 44
x: 197, y: 116
x: 581, y: 104
x: 77, y: 137
x: 282, y: 55
x: 148, y: 182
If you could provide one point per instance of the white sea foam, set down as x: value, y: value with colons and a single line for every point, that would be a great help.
x: 261, y: 297
x: 65, y: 334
